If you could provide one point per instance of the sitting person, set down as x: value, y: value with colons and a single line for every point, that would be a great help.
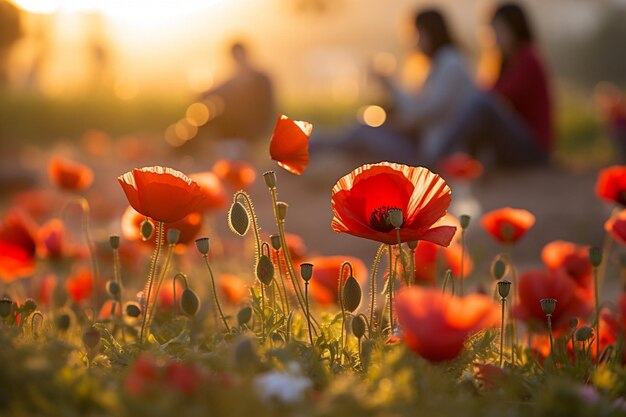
x: 514, y: 120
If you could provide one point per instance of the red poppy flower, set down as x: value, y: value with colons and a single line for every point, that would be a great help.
x: 211, y: 186
x: 611, y: 184
x: 17, y: 246
x: 163, y: 194
x: 69, y: 175
x: 166, y: 295
x: 45, y: 289
x: 183, y: 378
x: 52, y: 239
x: 427, y: 258
x: 436, y: 325
x: 362, y: 200
x: 233, y: 289
x: 325, y: 281
x: 508, y: 225
x: 289, y: 145
x: 80, y: 286
x: 570, y: 258
x: 108, y: 310
x: 239, y: 175
x: 616, y: 226
x: 143, y: 374
x: 538, y: 284
x: 189, y: 226
x: 461, y: 166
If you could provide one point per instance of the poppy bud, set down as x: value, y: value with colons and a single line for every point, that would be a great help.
x: 244, y: 315
x: 498, y: 269
x: 464, y: 219
x: 573, y: 323
x: 28, y: 307
x: 6, y: 306
x: 265, y: 270
x: 62, y: 322
x: 91, y: 338
x: 203, y: 245
x: 113, y: 289
x: 133, y: 310
x: 172, y: 236
x: 189, y: 302
x: 114, y: 241
x: 548, y: 305
x: 238, y: 219
x: 595, y: 256
x: 351, y: 294
x: 396, y: 217
x: 584, y: 333
x: 147, y: 229
x: 358, y: 326
x: 503, y: 288
x: 306, y: 271
x: 281, y: 209
x: 275, y: 240
x: 270, y: 179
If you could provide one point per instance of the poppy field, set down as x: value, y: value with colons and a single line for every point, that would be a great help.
x: 172, y: 315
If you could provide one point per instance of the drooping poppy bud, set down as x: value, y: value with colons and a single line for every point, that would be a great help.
x: 265, y: 270
x: 147, y: 229
x: 358, y: 326
x: 244, y: 315
x: 189, y: 302
x: 351, y: 294
x: 238, y: 219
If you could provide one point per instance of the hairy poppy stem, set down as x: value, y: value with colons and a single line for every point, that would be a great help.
x: 182, y: 276
x: 308, y: 313
x: 262, y: 311
x: 412, y: 268
x: 117, y: 278
x: 502, y: 332
x: 549, y: 316
x: 343, y: 308
x: 597, y: 312
x: 217, y: 300
x: 286, y: 310
x: 255, y: 228
x: 164, y: 270
x: 392, y: 278
x: 149, y: 284
x: 379, y: 253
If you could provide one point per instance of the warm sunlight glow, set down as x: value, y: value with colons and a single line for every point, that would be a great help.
x: 373, y: 116
x: 197, y: 114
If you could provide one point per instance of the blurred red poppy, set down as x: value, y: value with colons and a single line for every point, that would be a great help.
x: 507, y: 225
x: 297, y: 250
x: 289, y: 145
x: 239, y: 175
x: 535, y: 285
x: 461, y: 166
x: 80, y: 286
x: 325, y: 281
x: 38, y: 203
x: 166, y: 295
x: 161, y: 193
x: 69, y: 175
x: 45, y: 289
x: 142, y: 375
x: 233, y: 289
x: 616, y: 226
x: 211, y: 186
x: 436, y: 325
x: 490, y: 375
x: 108, y: 310
x: 363, y: 199
x: 428, y: 254
x: 611, y: 184
x: 189, y: 226
x: 17, y: 246
x: 570, y: 258
x: 51, y: 239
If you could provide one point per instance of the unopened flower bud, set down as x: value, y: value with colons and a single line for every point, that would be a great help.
x: 548, y: 305
x: 573, y: 323
x: 595, y: 256
x: 584, y: 333
x: 238, y: 219
x: 172, y: 236
x: 189, y: 302
x: 91, y: 338
x: 504, y: 287
x: 244, y: 315
x: 396, y: 217
x: 358, y: 326
x: 113, y: 289
x: 351, y: 294
x: 281, y: 210
x: 133, y: 309
x: 203, y: 245
x: 28, y: 307
x: 114, y: 241
x: 270, y: 179
x: 147, y: 229
x: 265, y: 270
x: 498, y: 269
x: 306, y: 271
x: 275, y: 241
x: 62, y: 322
x: 464, y: 219
x: 6, y: 307
x: 412, y: 244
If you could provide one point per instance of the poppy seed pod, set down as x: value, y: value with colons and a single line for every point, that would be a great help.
x: 595, y: 256
x: 412, y: 244
x: 203, y: 245
x: 270, y: 179
x: 147, y: 229
x: 172, y: 236
x: 396, y: 217
x: 464, y: 220
x: 498, y: 269
x: 265, y: 270
x: 6, y: 306
x: 584, y: 333
x: 548, y: 305
x: 306, y: 271
x: 281, y: 210
x: 244, y: 315
x: 504, y: 287
x: 238, y: 219
x: 62, y: 322
x: 113, y: 289
x: 275, y: 241
x: 91, y: 338
x: 351, y: 294
x: 114, y: 241
x: 133, y: 309
x: 189, y: 302
x: 358, y: 326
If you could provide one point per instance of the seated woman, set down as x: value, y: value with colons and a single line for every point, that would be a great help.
x: 418, y: 118
x: 514, y: 120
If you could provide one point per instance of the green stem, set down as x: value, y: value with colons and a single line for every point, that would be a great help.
x: 390, y: 288
x: 262, y: 311
x: 412, y: 268
x: 502, y: 332
x: 153, y: 267
x: 308, y: 313
x: 164, y: 270
x: 597, y: 313
x: 117, y: 278
x: 550, y: 333
x: 217, y: 301
x: 343, y: 308
x: 255, y: 228
x: 379, y: 253
x: 286, y: 310
x: 184, y: 278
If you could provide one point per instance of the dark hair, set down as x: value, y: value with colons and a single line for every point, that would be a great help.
x: 514, y: 17
x: 432, y: 22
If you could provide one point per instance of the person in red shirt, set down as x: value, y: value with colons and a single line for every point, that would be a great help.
x: 513, y: 121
